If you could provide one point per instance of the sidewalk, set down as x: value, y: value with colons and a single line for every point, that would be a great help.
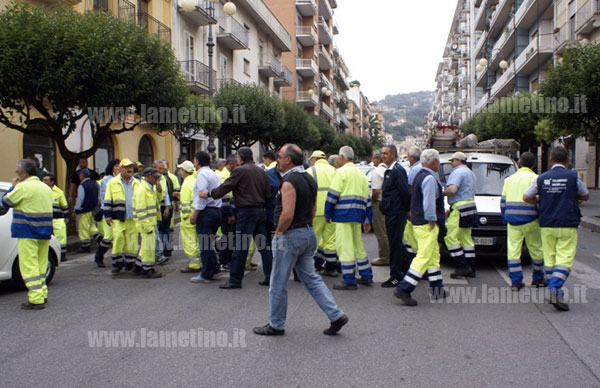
x: 591, y: 211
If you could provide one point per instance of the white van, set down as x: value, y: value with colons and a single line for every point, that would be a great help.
x: 491, y: 170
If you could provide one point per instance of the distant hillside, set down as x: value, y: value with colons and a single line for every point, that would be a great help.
x: 404, y: 113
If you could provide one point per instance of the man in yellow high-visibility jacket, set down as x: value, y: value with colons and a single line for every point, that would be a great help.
x: 146, y: 207
x: 31, y: 201
x: 118, y: 213
x: 60, y: 211
x: 522, y: 223
x: 323, y: 174
x: 348, y: 205
x: 189, y: 237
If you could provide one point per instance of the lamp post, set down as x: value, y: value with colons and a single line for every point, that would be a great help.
x: 229, y: 9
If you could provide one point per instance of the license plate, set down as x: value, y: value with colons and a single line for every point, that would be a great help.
x: 489, y: 241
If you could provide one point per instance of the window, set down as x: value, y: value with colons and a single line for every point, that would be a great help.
x: 490, y: 176
x: 247, y: 67
x: 145, y: 151
x: 43, y: 149
x: 103, y: 155
x: 223, y: 68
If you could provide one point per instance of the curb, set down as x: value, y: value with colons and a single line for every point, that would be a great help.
x: 591, y: 223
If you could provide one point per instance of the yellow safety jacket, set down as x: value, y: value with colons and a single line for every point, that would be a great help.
x: 514, y: 210
x: 348, y: 196
x: 323, y: 174
x: 187, y: 197
x: 115, y: 202
x: 31, y: 201
x: 60, y: 208
x: 146, y: 208
x: 175, y: 181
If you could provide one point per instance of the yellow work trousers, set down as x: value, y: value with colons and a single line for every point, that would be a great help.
x: 458, y: 240
x: 426, y: 260
x: 60, y: 232
x: 325, y: 232
x: 107, y: 233
x: 86, y: 229
x: 125, y: 242
x: 147, y: 250
x: 559, y: 246
x: 191, y: 248
x: 33, y: 264
x: 351, y: 252
x: 529, y: 232
x: 410, y: 242
x: 381, y: 233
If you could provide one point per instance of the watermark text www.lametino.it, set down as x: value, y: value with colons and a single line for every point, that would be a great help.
x: 505, y: 295
x: 144, y: 338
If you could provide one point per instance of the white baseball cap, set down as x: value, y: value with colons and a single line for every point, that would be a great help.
x: 187, y: 166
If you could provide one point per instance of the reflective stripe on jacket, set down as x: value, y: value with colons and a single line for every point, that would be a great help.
x: 146, y: 208
x: 31, y: 201
x: 60, y: 208
x: 187, y: 197
x: 514, y: 210
x: 348, y: 197
x: 323, y: 174
x: 115, y: 202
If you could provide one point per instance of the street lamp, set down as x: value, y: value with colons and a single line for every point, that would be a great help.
x: 503, y: 64
x: 229, y: 9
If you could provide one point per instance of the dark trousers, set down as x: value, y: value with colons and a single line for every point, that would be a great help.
x: 251, y: 223
x: 207, y: 225
x: 399, y: 258
x: 227, y: 241
x: 164, y: 234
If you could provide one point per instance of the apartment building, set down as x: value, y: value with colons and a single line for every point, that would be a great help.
x: 248, y: 49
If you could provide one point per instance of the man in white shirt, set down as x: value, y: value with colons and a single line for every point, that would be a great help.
x: 378, y: 218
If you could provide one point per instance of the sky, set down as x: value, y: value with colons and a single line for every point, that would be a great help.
x: 393, y: 46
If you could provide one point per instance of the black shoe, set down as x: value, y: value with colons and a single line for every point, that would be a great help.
x: 115, y: 271
x: 265, y: 282
x: 229, y: 286
x: 152, y: 274
x: 296, y: 278
x: 99, y: 263
x: 129, y: 266
x: 331, y: 272
x: 390, y: 283
x: 190, y: 270
x: 471, y: 274
x: 517, y: 287
x: 539, y: 283
x: 137, y: 270
x: 365, y: 282
x: 344, y: 286
x: 268, y: 330
x: 45, y: 300
x: 336, y: 325
x: 462, y: 272
x: 558, y: 302
x: 405, y: 297
x: 32, y: 306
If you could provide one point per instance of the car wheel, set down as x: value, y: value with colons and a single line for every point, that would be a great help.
x: 52, y: 263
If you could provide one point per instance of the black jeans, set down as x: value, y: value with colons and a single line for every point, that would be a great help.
x: 399, y: 258
x: 250, y: 223
x: 227, y: 240
x: 207, y: 226
x: 164, y: 235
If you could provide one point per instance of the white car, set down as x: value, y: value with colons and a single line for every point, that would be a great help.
x: 9, y: 265
x: 491, y: 170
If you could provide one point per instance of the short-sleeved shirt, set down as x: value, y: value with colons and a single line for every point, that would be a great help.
x: 378, y: 177
x: 207, y: 180
x: 532, y: 191
x: 414, y: 170
x: 463, y: 178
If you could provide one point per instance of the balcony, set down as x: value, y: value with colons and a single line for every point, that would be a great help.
x: 500, y: 17
x: 269, y: 66
x: 268, y: 22
x: 306, y: 7
x: 480, y: 43
x: 480, y: 18
x: 154, y: 27
x: 326, y: 111
x: 325, y: 10
x: 505, y: 46
x: 307, y: 99
x: 306, y: 67
x: 482, y: 103
x: 325, y: 35
x: 562, y: 39
x: 333, y: 3
x: 285, y: 78
x: 341, y: 100
x: 121, y: 9
x: 336, y: 28
x: 527, y: 14
x: 342, y: 81
x: 223, y: 82
x: 232, y: 34
x: 324, y: 82
x: 307, y: 35
x: 200, y: 15
x: 538, y: 51
x: 196, y: 76
x: 587, y: 18
x: 344, y: 123
x: 504, y: 85
x: 325, y: 60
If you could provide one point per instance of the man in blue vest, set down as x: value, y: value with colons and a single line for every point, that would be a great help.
x: 87, y: 201
x: 557, y: 193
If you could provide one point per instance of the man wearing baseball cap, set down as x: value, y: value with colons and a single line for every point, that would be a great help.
x: 87, y: 201
x: 460, y: 190
x: 189, y: 237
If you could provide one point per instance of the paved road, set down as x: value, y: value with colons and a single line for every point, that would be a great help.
x: 385, y: 343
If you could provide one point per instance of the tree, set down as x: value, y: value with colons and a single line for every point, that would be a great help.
x: 575, y: 82
x: 298, y: 129
x: 203, y: 118
x: 58, y: 66
x: 261, y: 116
x: 327, y: 134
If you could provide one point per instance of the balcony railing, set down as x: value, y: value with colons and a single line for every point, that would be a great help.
x: 325, y: 34
x: 584, y: 19
x: 306, y: 7
x: 153, y: 26
x: 502, y: 81
x: 196, y: 74
x: 270, y: 66
x: 307, y: 35
x: 285, y: 78
x: 306, y: 97
x: 545, y: 44
x: 481, y: 103
x: 323, y: 81
x: 281, y: 37
x: 327, y: 110
x: 325, y: 10
x: 232, y: 33
x: 122, y: 9
x: 222, y: 82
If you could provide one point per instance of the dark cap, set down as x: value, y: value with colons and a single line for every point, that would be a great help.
x: 150, y: 171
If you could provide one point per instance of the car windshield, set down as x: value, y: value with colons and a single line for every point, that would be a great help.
x: 490, y: 176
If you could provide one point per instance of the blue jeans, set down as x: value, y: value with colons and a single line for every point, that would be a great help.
x: 250, y: 223
x: 295, y: 249
x: 207, y: 225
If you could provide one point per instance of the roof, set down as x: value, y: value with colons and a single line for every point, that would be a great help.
x: 474, y: 157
